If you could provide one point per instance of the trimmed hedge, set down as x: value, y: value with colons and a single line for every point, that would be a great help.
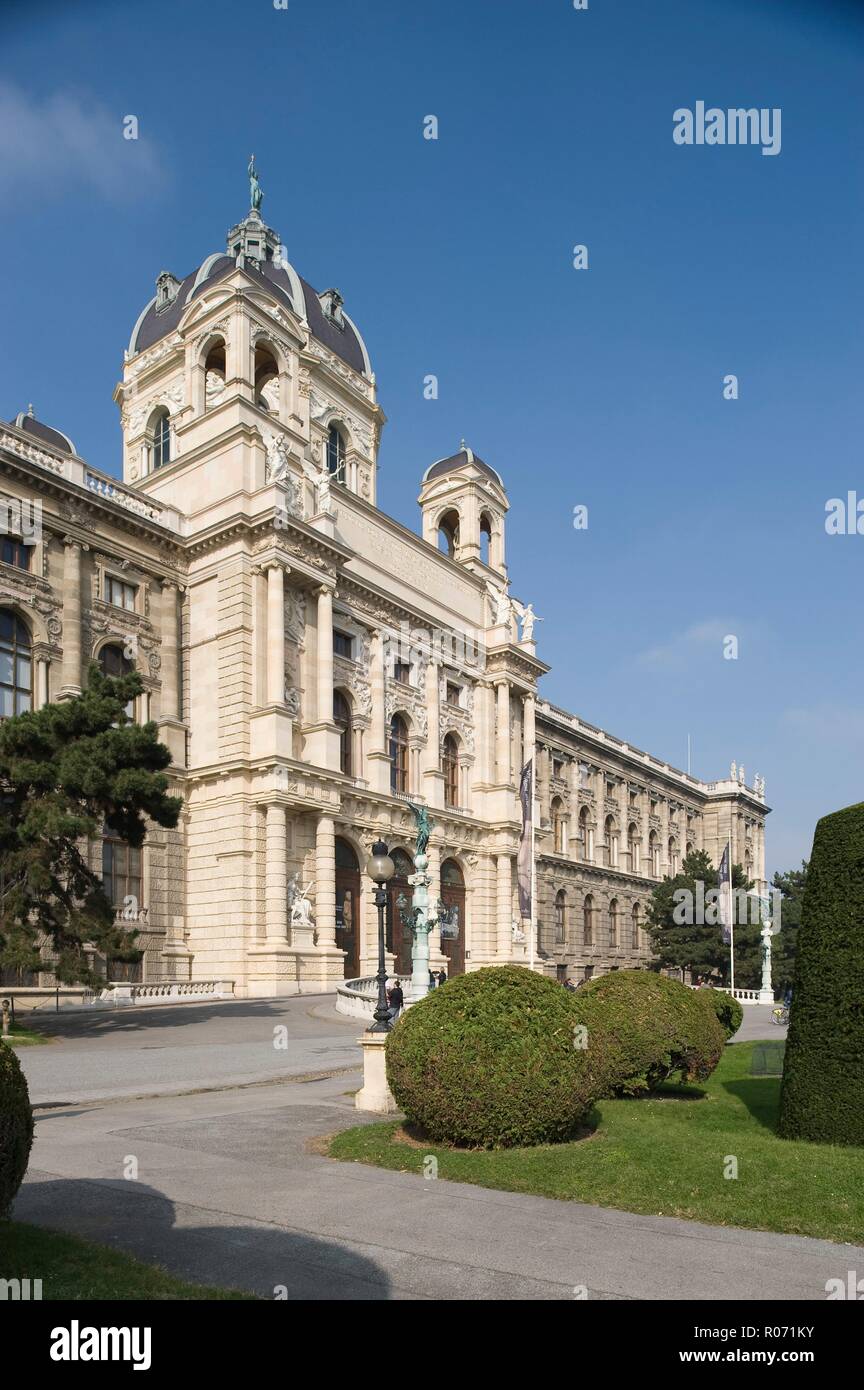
x: 491, y: 1061
x: 16, y: 1127
x: 650, y: 1028
x: 726, y: 1008
x: 822, y: 1095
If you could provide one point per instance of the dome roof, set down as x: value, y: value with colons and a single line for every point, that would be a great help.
x: 459, y: 460
x: 334, y: 331
x: 27, y: 421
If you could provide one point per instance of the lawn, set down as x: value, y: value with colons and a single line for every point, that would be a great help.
x: 25, y: 1037
x: 667, y: 1156
x: 73, y: 1268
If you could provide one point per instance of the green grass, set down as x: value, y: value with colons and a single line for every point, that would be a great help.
x: 666, y: 1156
x: 25, y: 1037
x: 73, y: 1268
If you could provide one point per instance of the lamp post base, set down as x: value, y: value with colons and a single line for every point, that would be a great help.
x: 375, y: 1094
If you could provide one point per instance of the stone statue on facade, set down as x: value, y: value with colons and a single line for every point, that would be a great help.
x: 278, y: 455
x: 733, y: 771
x: 299, y: 904
x: 502, y: 606
x: 529, y: 618
x: 256, y: 197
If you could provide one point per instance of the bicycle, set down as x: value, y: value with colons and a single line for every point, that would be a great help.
x: 780, y: 1015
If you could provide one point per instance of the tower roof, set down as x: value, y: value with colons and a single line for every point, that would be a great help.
x: 461, y: 459
x: 26, y: 420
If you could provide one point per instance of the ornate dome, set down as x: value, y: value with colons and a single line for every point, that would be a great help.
x: 256, y: 248
x: 459, y: 460
x: 27, y: 421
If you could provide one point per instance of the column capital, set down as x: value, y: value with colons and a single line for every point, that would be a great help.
x: 73, y: 543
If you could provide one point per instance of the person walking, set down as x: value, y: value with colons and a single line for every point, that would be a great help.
x: 442, y: 977
x: 396, y: 1000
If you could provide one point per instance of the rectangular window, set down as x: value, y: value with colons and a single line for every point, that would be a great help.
x: 15, y: 553
x: 343, y: 645
x: 454, y: 693
x: 402, y: 672
x: 557, y: 767
x: 121, y: 873
x: 120, y: 594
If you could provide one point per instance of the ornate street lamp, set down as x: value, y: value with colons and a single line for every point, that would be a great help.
x: 380, y: 868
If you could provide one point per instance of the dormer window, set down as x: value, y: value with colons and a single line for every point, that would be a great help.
x: 331, y: 304
x: 167, y: 286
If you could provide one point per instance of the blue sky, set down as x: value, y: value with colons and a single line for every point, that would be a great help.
x: 601, y: 387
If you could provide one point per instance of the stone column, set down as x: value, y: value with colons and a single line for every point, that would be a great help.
x: 325, y: 889
x: 276, y: 875
x: 42, y: 684
x: 170, y: 649
x: 484, y: 723
x: 71, y: 682
x: 325, y: 654
x: 529, y: 735
x: 433, y: 777
x: 275, y: 634
x: 502, y: 733
x: 504, y: 905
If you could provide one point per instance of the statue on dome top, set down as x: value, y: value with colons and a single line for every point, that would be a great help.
x: 256, y: 197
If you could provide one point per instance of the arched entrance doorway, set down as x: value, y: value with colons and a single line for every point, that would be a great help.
x: 453, y: 898
x: 348, y: 907
x: 398, y: 938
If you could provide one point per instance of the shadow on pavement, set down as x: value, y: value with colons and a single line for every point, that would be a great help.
x: 258, y: 1259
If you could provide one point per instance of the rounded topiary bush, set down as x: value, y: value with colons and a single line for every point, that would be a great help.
x: 491, y: 1061
x: 727, y: 1009
x: 649, y: 1028
x: 16, y: 1127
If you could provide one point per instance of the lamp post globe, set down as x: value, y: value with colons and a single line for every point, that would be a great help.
x: 380, y: 868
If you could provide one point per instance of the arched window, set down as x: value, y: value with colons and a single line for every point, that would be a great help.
x: 16, y: 679
x: 560, y: 917
x: 673, y: 856
x: 113, y: 662
x: 342, y: 718
x: 633, y: 847
x: 637, y: 938
x: 160, y: 440
x: 611, y: 842
x: 266, y: 379
x: 214, y: 374
x: 588, y: 921
x: 559, y: 837
x: 691, y: 848
x: 654, y: 853
x: 485, y: 538
x: 450, y: 768
x: 398, y: 754
x: 335, y: 455
x: 614, y: 923
x: 586, y: 835
x: 448, y: 533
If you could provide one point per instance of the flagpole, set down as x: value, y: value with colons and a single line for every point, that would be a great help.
x: 533, y: 860
x: 731, y: 918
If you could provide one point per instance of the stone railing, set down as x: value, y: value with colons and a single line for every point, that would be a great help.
x: 359, y: 998
x: 166, y: 992
x: 97, y: 483
x: 744, y: 996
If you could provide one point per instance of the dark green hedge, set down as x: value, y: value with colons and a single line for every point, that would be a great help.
x: 727, y: 1009
x: 822, y: 1096
x: 492, y: 1061
x: 650, y: 1028
x: 16, y: 1127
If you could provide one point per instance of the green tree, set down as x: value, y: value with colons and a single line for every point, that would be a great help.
x: 784, y: 945
x: 67, y: 772
x: 698, y: 946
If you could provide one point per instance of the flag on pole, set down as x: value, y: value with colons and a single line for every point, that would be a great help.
x: 524, y: 858
x: 724, y: 884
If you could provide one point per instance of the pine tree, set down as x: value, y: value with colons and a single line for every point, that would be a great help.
x: 698, y: 946
x: 70, y: 772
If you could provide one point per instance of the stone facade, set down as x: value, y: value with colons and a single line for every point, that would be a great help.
x: 244, y: 568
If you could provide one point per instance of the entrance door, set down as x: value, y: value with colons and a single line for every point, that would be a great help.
x: 398, y: 938
x: 453, y: 897
x: 348, y: 907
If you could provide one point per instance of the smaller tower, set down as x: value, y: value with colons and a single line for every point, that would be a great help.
x: 464, y: 504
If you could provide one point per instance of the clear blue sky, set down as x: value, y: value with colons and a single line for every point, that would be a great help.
x: 601, y: 387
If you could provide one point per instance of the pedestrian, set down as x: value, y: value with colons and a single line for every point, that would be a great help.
x: 442, y: 977
x: 433, y: 979
x: 396, y: 1000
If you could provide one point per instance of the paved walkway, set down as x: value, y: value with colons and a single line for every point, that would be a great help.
x: 228, y: 1192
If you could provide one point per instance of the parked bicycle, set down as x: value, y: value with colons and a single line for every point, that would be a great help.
x: 780, y: 1015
